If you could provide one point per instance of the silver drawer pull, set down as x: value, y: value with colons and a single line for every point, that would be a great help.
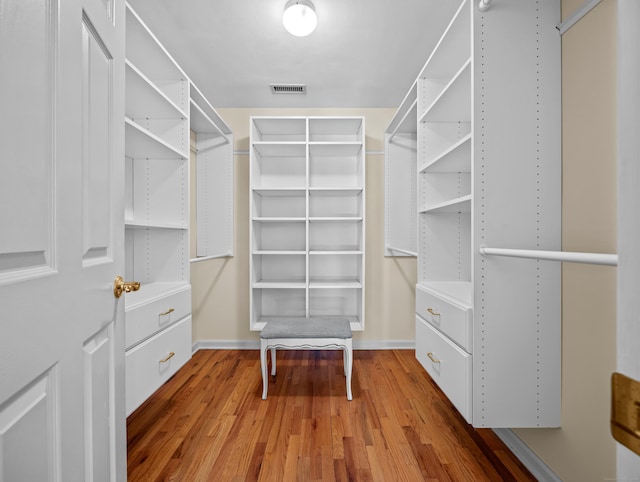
x: 169, y: 311
x: 432, y: 358
x: 431, y: 310
x: 169, y: 357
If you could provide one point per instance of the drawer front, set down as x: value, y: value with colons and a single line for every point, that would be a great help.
x: 150, y: 364
x: 448, y: 365
x: 451, y: 319
x: 145, y: 320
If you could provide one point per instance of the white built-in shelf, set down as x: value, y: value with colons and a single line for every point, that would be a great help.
x: 280, y: 284
x: 279, y: 129
x: 214, y: 179
x: 202, y: 122
x: 149, y: 56
x: 140, y: 143
x: 337, y: 283
x: 456, y: 292
x: 404, y: 120
x: 453, y: 48
x: 335, y: 220
x: 277, y: 252
x: 278, y: 220
x: 317, y: 252
x: 161, y: 107
x: 334, y: 148
x: 263, y: 320
x: 133, y: 224
x: 307, y: 210
x: 281, y: 192
x: 153, y: 291
x: 332, y: 191
x: 461, y: 204
x: 456, y: 158
x: 335, y: 129
x: 487, y: 170
x: 145, y: 99
x: 453, y: 101
x: 280, y: 149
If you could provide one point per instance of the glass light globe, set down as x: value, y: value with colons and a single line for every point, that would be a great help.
x: 299, y: 18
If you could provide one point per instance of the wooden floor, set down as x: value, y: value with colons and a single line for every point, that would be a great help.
x: 209, y: 423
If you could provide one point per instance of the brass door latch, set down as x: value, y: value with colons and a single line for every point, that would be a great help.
x: 625, y: 411
x: 121, y: 286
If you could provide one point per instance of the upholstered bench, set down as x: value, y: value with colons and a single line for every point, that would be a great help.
x: 318, y: 333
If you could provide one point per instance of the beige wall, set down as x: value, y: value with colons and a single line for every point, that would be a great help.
x: 221, y: 287
x: 583, y: 450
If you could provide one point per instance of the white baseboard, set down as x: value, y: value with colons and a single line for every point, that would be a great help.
x: 529, y: 459
x: 255, y: 345
x: 226, y: 345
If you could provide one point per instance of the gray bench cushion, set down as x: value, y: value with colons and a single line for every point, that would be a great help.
x: 316, y: 327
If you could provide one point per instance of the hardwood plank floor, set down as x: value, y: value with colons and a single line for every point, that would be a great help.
x: 209, y: 423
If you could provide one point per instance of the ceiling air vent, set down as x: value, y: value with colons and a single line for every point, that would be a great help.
x: 288, y: 88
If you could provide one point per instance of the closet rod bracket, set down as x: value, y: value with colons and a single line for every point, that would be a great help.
x: 484, y: 5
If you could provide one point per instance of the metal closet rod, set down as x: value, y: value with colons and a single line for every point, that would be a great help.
x: 404, y: 117
x: 215, y: 126
x: 403, y: 251
x: 567, y: 256
x: 205, y: 258
x: 580, y: 12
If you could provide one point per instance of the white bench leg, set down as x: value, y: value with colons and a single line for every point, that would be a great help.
x: 344, y: 360
x: 273, y: 362
x: 348, y: 366
x: 264, y: 369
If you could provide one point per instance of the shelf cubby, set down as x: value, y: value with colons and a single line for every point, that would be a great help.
x: 279, y: 236
x: 159, y: 193
x: 279, y: 204
x: 278, y: 129
x: 336, y: 130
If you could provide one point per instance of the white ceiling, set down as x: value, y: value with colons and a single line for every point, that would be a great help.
x: 364, y: 53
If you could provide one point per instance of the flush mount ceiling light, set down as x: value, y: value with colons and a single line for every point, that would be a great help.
x: 299, y: 17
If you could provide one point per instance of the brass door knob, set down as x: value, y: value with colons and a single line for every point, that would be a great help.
x: 121, y: 286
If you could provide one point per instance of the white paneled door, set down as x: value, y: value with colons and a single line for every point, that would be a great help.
x: 61, y: 240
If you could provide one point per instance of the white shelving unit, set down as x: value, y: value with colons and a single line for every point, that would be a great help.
x: 401, y: 151
x: 488, y: 171
x: 160, y: 109
x: 214, y: 179
x: 307, y: 218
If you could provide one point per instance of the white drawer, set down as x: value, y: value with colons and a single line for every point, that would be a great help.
x: 151, y: 363
x: 146, y: 319
x: 449, y: 317
x: 449, y: 366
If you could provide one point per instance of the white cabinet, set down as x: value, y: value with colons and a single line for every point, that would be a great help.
x: 488, y: 172
x: 307, y: 218
x: 161, y: 107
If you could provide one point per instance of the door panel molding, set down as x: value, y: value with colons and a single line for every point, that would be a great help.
x: 30, y: 413
x: 27, y: 217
